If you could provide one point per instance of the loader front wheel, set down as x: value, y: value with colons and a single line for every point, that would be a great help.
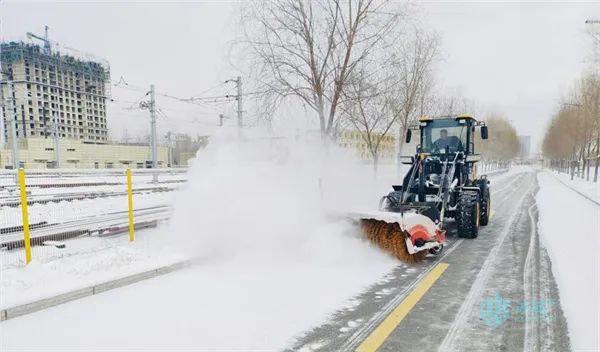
x: 468, y: 214
x: 485, y: 209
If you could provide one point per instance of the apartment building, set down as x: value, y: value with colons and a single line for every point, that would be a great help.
x: 49, y: 94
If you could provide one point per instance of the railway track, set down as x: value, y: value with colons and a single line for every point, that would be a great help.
x: 100, y: 225
x: 15, y: 201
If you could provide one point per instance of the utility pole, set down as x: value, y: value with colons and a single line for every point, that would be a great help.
x: 153, y: 126
x: 2, y: 105
x: 594, y: 31
x: 153, y: 132
x: 238, y: 97
x: 13, y: 126
x: 170, y: 144
x: 56, y: 142
x: 239, y: 100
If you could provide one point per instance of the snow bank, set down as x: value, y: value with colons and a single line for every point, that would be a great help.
x: 590, y: 189
x: 570, y: 229
x: 83, y: 263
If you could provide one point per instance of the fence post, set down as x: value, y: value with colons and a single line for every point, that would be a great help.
x: 25, y: 214
x: 130, y: 205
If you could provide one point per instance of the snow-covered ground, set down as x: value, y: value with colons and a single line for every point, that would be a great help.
x: 244, y: 303
x: 590, y: 189
x: 570, y: 230
x: 272, y: 263
x: 83, y: 263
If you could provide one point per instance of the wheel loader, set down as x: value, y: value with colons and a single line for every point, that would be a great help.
x: 441, y: 183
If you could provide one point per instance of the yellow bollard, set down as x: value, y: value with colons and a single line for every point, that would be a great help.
x: 130, y: 203
x: 25, y: 214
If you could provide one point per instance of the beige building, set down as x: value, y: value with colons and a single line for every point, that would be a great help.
x: 52, y: 94
x: 354, y: 140
x: 36, y: 152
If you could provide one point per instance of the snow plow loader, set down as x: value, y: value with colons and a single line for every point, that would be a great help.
x: 441, y: 183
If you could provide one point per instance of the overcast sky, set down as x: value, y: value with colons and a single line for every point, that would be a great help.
x: 517, y: 59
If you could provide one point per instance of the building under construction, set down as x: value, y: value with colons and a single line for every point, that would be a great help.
x: 53, y: 111
x: 47, y: 94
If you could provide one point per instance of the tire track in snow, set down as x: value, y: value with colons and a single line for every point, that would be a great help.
x: 480, y: 281
x: 530, y: 286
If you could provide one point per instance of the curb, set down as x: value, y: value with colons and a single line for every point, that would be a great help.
x: 571, y: 188
x: 44, y: 303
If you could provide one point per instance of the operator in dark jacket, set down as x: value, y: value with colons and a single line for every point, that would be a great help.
x: 448, y: 143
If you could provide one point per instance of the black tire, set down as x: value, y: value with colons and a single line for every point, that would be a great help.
x: 468, y: 214
x: 486, y: 208
x: 436, y: 250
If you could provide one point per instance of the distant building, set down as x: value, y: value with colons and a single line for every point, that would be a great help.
x: 184, y: 148
x: 525, y: 142
x: 355, y: 140
x: 39, y: 153
x: 59, y: 104
x: 52, y: 94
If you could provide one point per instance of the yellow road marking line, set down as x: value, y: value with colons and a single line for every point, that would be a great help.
x: 491, y: 214
x: 378, y: 336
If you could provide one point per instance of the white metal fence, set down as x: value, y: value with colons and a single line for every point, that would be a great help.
x: 78, y: 211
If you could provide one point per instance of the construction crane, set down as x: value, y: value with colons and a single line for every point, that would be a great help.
x: 49, y: 46
x: 47, y: 43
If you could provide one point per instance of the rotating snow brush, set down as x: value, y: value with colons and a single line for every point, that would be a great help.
x: 407, y: 236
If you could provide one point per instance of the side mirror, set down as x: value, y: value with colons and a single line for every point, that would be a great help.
x: 407, y: 160
x: 408, y: 135
x: 484, y: 132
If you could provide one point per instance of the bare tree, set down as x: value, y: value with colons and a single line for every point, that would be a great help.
x: 369, y: 108
x: 412, y: 70
x: 572, y: 140
x: 590, y: 123
x: 451, y: 104
x: 308, y: 49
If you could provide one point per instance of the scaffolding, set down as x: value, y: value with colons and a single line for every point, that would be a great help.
x: 54, y: 94
x: 13, y: 52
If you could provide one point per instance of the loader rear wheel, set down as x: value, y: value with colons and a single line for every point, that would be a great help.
x: 468, y: 214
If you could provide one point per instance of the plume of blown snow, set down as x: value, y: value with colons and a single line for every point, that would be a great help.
x: 262, y: 197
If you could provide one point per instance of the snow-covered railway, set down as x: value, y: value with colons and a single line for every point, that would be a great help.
x: 100, y: 225
x: 14, y: 200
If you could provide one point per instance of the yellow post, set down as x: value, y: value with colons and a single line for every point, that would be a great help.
x: 25, y: 214
x: 130, y: 203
